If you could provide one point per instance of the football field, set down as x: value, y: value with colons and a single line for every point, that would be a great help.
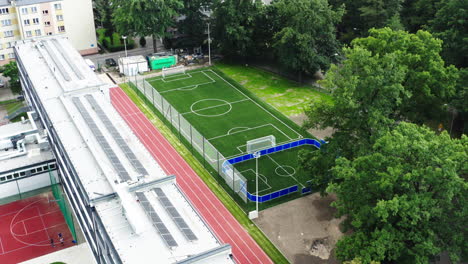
x: 227, y: 116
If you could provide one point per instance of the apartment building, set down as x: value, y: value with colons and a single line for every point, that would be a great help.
x: 26, y: 19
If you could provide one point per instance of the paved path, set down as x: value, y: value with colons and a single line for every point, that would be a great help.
x: 221, y: 221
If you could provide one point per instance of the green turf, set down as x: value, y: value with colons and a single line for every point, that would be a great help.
x: 221, y: 112
x: 276, y: 171
x: 211, y: 181
x: 228, y: 116
x: 289, y: 97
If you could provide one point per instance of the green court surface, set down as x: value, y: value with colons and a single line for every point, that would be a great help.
x: 228, y: 116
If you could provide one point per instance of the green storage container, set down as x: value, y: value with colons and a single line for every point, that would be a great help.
x: 156, y: 63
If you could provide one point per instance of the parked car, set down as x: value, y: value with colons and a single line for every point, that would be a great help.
x: 111, y: 62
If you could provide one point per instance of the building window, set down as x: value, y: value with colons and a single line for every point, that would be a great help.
x: 59, y: 17
x: 61, y: 28
x: 38, y: 32
x: 8, y: 33
x: 35, y: 21
x: 24, y: 11
x: 33, y: 9
x: 2, y: 178
x: 58, y: 6
x: 11, y: 55
x: 49, y: 33
x: 45, y: 12
x: 1, y: 46
x: 27, y: 22
x: 23, y: 173
x: 6, y: 22
x: 47, y: 23
x: 2, y: 57
x: 28, y: 33
x: 4, y: 11
x: 15, y: 175
x: 8, y: 45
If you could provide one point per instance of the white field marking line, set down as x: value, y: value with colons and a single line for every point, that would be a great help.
x: 1, y: 246
x: 244, y: 240
x: 186, y: 88
x: 250, y: 128
x: 281, y: 132
x: 170, y: 163
x: 32, y: 218
x: 285, y: 170
x: 243, y: 129
x: 16, y: 249
x: 299, y: 135
x: 176, y: 79
x: 214, y: 106
x: 13, y: 220
x: 43, y: 224
x: 284, y: 167
x: 25, y: 230
x: 262, y: 177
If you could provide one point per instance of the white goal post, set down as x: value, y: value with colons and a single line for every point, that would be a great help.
x: 173, y: 70
x: 257, y: 144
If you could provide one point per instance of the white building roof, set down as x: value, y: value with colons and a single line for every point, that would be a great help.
x: 66, y: 86
x: 11, y: 159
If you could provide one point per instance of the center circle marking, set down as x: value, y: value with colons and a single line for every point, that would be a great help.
x: 224, y: 103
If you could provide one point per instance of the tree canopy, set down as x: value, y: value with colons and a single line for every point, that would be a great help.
x: 194, y: 23
x: 306, y: 40
x: 406, y: 200
x: 145, y: 17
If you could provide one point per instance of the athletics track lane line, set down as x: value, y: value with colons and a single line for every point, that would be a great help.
x: 259, y: 256
x: 201, y: 205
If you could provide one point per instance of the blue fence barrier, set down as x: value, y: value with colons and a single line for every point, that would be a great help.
x: 285, y: 191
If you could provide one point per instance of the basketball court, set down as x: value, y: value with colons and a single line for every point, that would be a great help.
x: 27, y: 227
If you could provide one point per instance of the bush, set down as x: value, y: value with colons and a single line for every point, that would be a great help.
x: 115, y: 43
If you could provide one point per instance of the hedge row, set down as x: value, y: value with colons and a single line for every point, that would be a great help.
x: 114, y: 44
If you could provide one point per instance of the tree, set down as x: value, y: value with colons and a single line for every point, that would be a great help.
x: 145, y: 17
x: 429, y: 81
x: 388, y: 77
x: 367, y: 91
x: 10, y: 70
x: 406, y: 200
x: 193, y: 26
x: 306, y: 41
x: 103, y: 10
x: 416, y: 14
x: 234, y: 27
x: 451, y: 25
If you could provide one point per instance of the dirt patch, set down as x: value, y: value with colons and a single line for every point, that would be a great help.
x: 318, y: 133
x: 303, y: 229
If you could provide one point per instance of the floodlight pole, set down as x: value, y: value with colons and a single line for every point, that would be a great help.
x: 256, y: 156
x: 209, y: 45
x: 125, y: 45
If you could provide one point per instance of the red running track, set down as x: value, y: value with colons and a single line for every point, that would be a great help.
x: 26, y: 227
x: 221, y: 221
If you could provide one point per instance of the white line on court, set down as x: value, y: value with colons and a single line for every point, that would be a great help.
x: 285, y: 171
x: 1, y: 246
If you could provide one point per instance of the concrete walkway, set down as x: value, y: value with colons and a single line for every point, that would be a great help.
x: 80, y: 254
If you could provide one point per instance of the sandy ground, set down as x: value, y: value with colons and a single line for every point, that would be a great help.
x: 318, y: 133
x: 304, y: 229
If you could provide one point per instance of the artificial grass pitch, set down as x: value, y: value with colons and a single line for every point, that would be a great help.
x: 228, y: 116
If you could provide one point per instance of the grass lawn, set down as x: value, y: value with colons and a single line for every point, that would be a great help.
x: 288, y: 97
x: 209, y: 180
x: 13, y: 106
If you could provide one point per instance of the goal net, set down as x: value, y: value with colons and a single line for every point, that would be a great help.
x: 257, y: 144
x: 173, y: 70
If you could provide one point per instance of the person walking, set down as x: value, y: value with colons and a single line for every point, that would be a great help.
x: 52, y: 242
x: 60, y: 237
x: 61, y: 241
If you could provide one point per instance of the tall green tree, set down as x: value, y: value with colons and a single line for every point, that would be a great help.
x: 388, y: 77
x: 416, y: 14
x: 406, y: 199
x: 306, y: 40
x: 451, y: 25
x: 234, y: 24
x: 10, y: 70
x: 145, y: 17
x: 103, y: 10
x: 194, y: 23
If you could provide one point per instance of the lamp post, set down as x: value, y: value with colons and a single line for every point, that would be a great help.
x: 125, y: 44
x: 209, y: 45
x: 256, y: 156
